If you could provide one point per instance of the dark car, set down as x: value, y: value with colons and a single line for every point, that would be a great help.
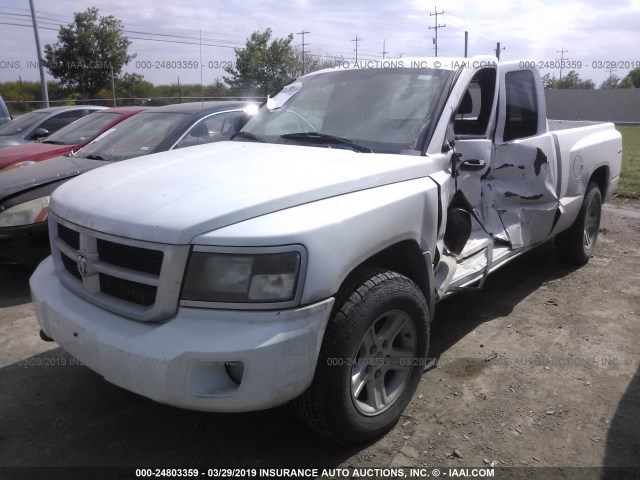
x: 70, y: 138
x: 38, y: 124
x: 25, y: 191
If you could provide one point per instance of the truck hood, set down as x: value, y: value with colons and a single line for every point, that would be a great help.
x: 172, y: 197
x: 55, y: 169
x: 34, y: 151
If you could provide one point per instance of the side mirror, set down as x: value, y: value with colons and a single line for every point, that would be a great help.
x: 449, y: 139
x: 39, y: 133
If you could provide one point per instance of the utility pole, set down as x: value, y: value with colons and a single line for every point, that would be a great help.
x: 562, y: 51
x: 466, y: 43
x: 43, y: 83
x: 113, y: 88
x: 356, y: 40
x: 302, y: 33
x: 437, y: 26
x: 498, y: 50
x: 384, y: 52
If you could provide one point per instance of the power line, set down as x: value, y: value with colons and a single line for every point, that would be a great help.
x: 64, y: 18
x: 327, y: 53
x: 362, y: 54
x: 136, y: 38
x: 180, y: 42
x: 71, y: 19
x: 28, y: 26
x: 437, y: 26
x: 15, y: 14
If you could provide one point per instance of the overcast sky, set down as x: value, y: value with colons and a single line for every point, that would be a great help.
x: 590, y: 30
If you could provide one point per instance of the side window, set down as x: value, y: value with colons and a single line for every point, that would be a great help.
x: 522, y: 105
x: 474, y: 111
x: 214, y: 128
x: 221, y: 126
x: 60, y: 120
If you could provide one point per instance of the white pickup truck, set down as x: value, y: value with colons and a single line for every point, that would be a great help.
x: 302, y: 259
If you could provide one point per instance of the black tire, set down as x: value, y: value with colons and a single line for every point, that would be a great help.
x: 576, y: 244
x: 377, y: 303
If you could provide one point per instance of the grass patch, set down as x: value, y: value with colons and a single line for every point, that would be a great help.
x: 629, y: 184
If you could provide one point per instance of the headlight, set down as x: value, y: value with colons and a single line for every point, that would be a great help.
x: 33, y: 211
x: 241, y: 278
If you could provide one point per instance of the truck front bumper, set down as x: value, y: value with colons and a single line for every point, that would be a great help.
x: 209, y: 360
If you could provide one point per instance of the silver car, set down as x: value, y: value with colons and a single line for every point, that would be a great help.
x: 4, y: 112
x: 38, y: 124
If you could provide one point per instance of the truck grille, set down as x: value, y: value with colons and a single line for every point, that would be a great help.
x: 71, y: 267
x: 135, y: 258
x: 68, y: 236
x: 128, y: 291
x: 122, y: 275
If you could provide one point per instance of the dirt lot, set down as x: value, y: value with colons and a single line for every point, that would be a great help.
x: 540, y: 368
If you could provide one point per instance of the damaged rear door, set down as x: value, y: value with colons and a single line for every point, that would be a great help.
x: 524, y: 166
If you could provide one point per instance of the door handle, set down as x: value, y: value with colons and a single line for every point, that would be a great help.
x: 472, y: 165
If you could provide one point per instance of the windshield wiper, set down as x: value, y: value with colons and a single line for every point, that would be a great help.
x: 95, y: 157
x: 248, y: 135
x: 326, y: 138
x: 55, y: 142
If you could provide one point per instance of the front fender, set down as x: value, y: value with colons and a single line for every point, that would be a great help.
x: 342, y: 232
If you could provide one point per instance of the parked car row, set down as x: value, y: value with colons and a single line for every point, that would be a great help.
x: 70, y: 138
x: 106, y: 136
x: 39, y: 124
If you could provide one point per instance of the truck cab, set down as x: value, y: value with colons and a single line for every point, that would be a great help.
x: 518, y: 178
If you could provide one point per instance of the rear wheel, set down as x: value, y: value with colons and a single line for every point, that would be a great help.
x: 576, y: 244
x: 370, y: 362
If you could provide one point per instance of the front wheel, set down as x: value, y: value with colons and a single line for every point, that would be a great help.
x: 576, y: 244
x: 371, y: 359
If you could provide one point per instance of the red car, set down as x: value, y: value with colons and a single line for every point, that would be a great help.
x: 70, y: 138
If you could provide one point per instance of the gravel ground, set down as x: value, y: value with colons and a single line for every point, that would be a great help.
x: 540, y: 368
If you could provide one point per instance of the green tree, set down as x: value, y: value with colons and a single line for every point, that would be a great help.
x: 263, y: 67
x: 548, y: 81
x: 219, y: 89
x: 86, y: 51
x: 133, y: 85
x: 611, y: 82
x: 631, y: 80
x: 573, y: 80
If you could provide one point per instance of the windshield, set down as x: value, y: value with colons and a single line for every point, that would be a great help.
x: 22, y: 123
x: 136, y: 136
x: 385, y: 110
x: 83, y: 130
